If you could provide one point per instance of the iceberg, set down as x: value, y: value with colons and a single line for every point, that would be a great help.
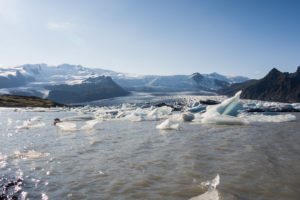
x: 225, y: 113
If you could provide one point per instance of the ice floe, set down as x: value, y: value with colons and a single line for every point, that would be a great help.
x: 67, y: 126
x: 268, y: 118
x: 90, y: 125
x: 70, y: 127
x: 167, y: 125
x: 29, y: 125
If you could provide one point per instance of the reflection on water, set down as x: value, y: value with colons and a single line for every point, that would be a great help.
x: 134, y: 160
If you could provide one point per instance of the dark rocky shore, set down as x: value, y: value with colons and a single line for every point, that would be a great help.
x: 26, y: 101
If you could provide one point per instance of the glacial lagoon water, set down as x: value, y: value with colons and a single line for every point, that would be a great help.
x: 132, y: 159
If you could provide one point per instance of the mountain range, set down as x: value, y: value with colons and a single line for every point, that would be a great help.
x: 275, y: 86
x: 52, y: 81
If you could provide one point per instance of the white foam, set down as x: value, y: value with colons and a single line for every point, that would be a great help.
x: 166, y: 125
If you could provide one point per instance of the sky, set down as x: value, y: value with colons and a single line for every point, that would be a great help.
x: 165, y: 37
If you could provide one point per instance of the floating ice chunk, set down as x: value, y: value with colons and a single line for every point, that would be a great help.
x: 197, y: 109
x: 36, y: 118
x: 67, y: 126
x: 160, y: 112
x: 296, y: 106
x: 90, y: 125
x: 196, y: 104
x: 135, y: 117
x: 212, y: 193
x: 166, y: 125
x: 230, y: 106
x: 28, y: 125
x: 209, y: 195
x: 224, y: 113
x: 269, y: 118
x: 187, y: 117
x: 212, y: 183
x: 224, y: 120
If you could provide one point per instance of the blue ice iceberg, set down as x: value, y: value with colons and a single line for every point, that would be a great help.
x: 225, y: 113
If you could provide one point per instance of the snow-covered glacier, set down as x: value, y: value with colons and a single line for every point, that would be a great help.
x: 33, y: 77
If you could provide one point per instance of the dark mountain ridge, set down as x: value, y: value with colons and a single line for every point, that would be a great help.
x: 275, y: 86
x: 91, y: 89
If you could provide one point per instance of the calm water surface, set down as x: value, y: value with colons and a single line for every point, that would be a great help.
x: 133, y: 160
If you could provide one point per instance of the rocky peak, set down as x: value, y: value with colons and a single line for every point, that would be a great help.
x: 197, y: 77
x: 98, y: 79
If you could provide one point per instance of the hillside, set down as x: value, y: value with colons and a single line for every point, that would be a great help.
x: 275, y: 86
x: 25, y: 101
x: 92, y: 89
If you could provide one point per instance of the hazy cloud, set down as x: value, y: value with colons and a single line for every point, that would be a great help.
x: 59, y: 26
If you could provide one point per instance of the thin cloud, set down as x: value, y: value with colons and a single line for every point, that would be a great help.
x: 59, y: 26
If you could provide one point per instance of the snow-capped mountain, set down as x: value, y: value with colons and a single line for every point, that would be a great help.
x: 32, y: 79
